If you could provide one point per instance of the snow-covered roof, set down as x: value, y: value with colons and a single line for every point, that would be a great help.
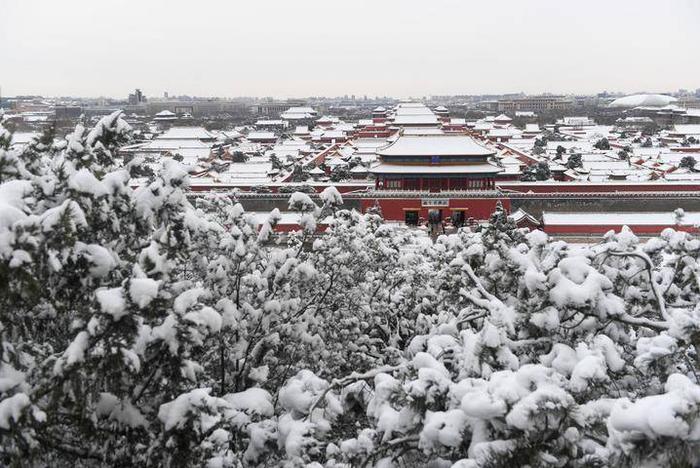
x: 336, y: 134
x: 369, y: 143
x: 423, y: 131
x: 415, y: 119
x: 285, y: 218
x: 620, y: 219
x: 232, y: 134
x: 252, y: 172
x: 264, y: 122
x: 434, y: 145
x: 192, y: 147
x: 298, y: 113
x: 22, y: 138
x: 334, y: 161
x: 261, y: 136
x: 478, y: 168
x: 482, y: 125
x: 521, y: 215
x: 328, y: 118
x: 649, y: 100
x: 414, y: 111
x: 500, y: 132
x: 408, y: 105
x: 577, y: 121
x: 675, y: 176
x: 688, y: 129
x: 300, y: 110
x: 511, y: 161
x: 187, y: 133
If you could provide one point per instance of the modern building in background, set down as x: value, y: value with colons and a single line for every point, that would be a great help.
x: 136, y: 98
x: 535, y: 104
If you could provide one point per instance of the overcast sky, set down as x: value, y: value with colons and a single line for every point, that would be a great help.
x: 297, y: 48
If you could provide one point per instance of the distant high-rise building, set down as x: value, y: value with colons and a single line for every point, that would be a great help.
x: 165, y: 95
x: 136, y: 98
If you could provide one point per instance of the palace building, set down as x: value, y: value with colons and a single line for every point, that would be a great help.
x: 413, y: 114
x: 435, y: 163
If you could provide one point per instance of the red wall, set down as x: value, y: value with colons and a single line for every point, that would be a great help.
x: 572, y: 187
x: 393, y: 208
x: 602, y: 229
x: 344, y: 188
x: 295, y: 227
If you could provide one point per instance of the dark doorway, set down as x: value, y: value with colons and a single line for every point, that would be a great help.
x: 435, y: 216
x: 411, y: 217
x: 435, y: 225
x: 458, y: 218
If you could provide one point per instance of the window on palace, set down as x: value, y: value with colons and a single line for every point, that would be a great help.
x: 393, y: 184
x: 411, y: 184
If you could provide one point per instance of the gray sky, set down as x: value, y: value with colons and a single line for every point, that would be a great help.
x: 290, y: 48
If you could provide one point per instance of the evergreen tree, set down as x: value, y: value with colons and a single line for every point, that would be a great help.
x: 688, y: 162
x: 574, y: 161
x: 340, y: 173
x: 602, y: 144
x: 537, y: 171
x: 560, y: 151
x: 150, y: 327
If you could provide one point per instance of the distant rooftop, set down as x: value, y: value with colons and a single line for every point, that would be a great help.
x: 187, y: 133
x: 647, y: 100
x: 435, y: 145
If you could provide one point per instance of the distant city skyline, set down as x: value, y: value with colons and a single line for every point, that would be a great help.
x: 176, y: 96
x: 312, y: 48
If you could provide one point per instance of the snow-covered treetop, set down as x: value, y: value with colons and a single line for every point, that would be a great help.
x: 142, y: 327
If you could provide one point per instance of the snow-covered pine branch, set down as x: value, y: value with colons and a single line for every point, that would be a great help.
x: 139, y: 328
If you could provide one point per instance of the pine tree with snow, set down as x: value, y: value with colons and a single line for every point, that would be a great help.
x: 536, y: 171
x: 150, y: 327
